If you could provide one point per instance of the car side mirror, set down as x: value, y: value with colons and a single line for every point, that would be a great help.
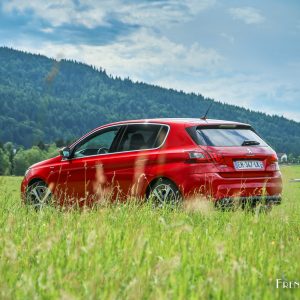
x: 65, y: 152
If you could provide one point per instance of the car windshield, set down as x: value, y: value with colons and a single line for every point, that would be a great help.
x: 229, y: 137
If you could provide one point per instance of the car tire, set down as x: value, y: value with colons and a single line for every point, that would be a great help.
x: 38, y: 195
x: 164, y: 192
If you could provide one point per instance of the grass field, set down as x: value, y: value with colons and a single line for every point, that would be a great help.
x: 135, y: 252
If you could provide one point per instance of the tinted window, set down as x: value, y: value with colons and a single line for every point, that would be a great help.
x: 221, y: 137
x: 142, y: 136
x: 100, y: 143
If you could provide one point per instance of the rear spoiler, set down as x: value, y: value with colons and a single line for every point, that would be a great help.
x: 224, y: 126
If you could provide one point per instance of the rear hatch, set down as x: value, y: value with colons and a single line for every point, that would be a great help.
x: 236, y: 150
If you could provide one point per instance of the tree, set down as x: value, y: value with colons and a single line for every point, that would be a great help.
x: 20, y: 162
x: 5, y: 166
x: 52, y: 151
x: 25, y: 158
x: 10, y: 151
x: 60, y: 143
x: 41, y: 145
x: 291, y: 158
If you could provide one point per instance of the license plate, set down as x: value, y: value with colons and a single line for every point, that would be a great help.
x: 248, y: 165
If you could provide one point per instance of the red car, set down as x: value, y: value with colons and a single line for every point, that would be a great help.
x: 162, y: 159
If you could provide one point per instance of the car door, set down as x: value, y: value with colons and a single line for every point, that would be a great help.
x: 88, y: 170
x: 136, y: 153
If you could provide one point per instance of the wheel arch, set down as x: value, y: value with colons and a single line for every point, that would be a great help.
x: 34, y: 180
x: 155, y: 180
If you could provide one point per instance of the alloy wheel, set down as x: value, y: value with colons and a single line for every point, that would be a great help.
x: 38, y: 195
x: 164, y: 194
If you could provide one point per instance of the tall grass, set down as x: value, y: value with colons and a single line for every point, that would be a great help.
x: 132, y: 251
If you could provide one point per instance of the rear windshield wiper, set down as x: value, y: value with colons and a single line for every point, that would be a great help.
x: 250, y: 143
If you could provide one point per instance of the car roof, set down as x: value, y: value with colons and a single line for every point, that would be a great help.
x: 184, y: 121
x: 168, y: 121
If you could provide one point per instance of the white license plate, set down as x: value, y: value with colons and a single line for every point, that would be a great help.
x: 248, y: 165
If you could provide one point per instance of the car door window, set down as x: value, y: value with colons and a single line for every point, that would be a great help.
x: 142, y: 136
x: 97, y: 144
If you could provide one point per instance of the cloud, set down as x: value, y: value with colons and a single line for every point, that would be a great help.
x: 59, y: 12
x: 47, y: 30
x: 142, y: 55
x: 228, y: 37
x: 248, y: 15
x: 90, y: 13
x: 158, y: 13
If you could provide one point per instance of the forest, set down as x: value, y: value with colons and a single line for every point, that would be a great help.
x: 44, y: 100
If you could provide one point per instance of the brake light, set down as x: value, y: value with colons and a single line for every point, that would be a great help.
x: 273, y: 167
x: 273, y: 163
x: 206, y: 156
x: 273, y: 158
x: 198, y: 156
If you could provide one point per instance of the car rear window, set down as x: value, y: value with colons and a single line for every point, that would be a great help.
x: 228, y: 137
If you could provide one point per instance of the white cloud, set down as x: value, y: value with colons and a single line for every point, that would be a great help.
x: 160, y: 13
x: 228, y: 37
x: 248, y: 15
x: 47, y: 30
x: 58, y: 12
x: 293, y: 115
x: 141, y: 55
x: 91, y: 13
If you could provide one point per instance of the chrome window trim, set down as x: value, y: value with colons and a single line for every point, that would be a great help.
x: 117, y: 125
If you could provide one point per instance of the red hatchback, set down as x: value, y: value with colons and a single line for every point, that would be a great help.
x: 162, y: 159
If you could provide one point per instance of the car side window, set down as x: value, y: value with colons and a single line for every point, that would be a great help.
x: 142, y: 136
x: 100, y: 143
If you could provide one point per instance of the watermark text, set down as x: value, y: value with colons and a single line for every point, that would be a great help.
x: 284, y: 284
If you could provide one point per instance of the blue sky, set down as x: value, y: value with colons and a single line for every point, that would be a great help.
x: 241, y: 52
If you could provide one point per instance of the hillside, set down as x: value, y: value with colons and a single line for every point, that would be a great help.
x: 45, y: 100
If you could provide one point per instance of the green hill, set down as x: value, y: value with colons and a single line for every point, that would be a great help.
x: 45, y: 100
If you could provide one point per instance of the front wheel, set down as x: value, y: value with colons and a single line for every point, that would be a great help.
x: 38, y: 195
x: 164, y: 192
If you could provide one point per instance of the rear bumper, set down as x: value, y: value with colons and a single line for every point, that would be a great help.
x: 249, y: 201
x: 216, y: 187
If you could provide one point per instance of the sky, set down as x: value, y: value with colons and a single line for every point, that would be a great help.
x: 245, y: 53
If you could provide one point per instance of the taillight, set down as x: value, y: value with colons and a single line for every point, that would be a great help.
x: 273, y: 163
x: 273, y: 167
x: 198, y: 157
x: 273, y: 158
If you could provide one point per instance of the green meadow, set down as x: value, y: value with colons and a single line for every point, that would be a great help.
x: 132, y: 251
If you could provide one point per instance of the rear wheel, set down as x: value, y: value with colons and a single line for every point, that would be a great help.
x: 163, y: 192
x: 38, y: 195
